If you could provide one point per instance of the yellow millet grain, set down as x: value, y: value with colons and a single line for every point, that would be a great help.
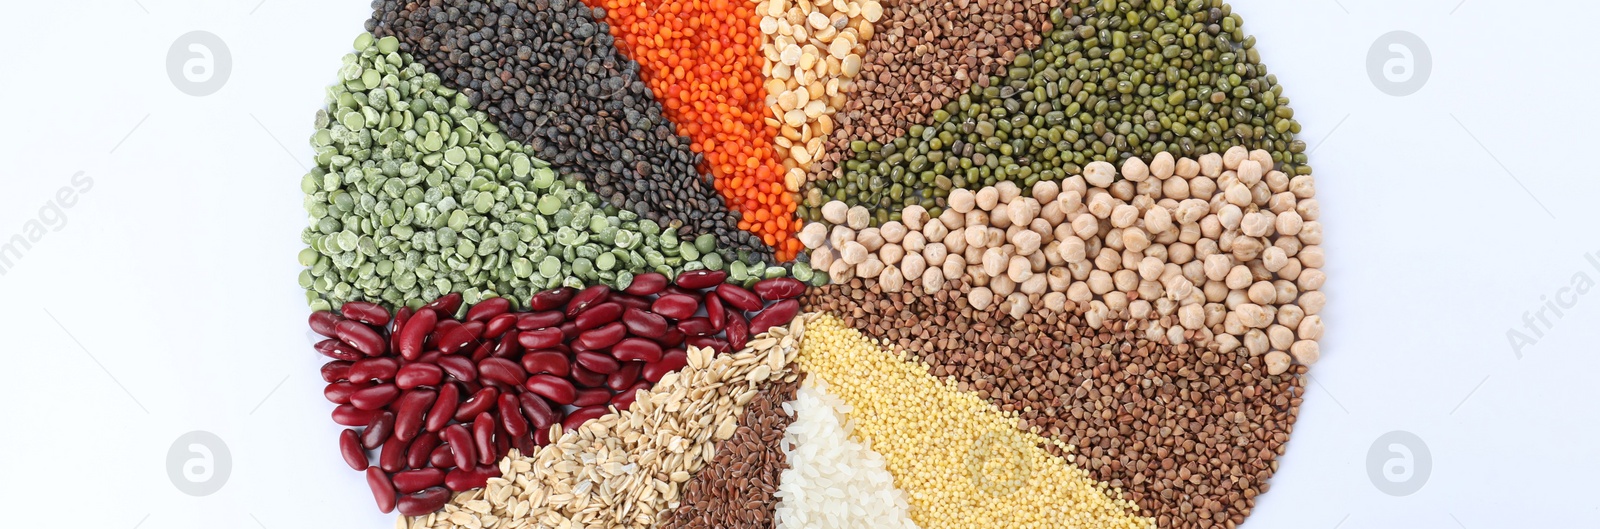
x: 962, y: 462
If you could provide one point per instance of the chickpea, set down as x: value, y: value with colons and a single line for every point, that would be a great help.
x: 1000, y: 217
x: 1232, y: 157
x: 1055, y: 302
x: 841, y: 235
x: 987, y: 198
x: 1262, y: 293
x: 1308, y: 209
x: 1079, y: 292
x: 870, y: 268
x: 1045, y: 191
x: 1311, y: 279
x: 912, y: 265
x: 974, y: 235
x: 1054, y: 212
x: 993, y: 237
x: 841, y: 272
x: 1191, y: 316
x: 980, y: 298
x: 952, y: 220
x: 976, y: 217
x: 1203, y: 187
x: 813, y: 235
x: 1306, y: 352
x: 1312, y: 257
x: 914, y: 216
x: 1227, y: 343
x: 961, y: 200
x: 893, y: 232
x: 1008, y: 191
x: 1023, y: 210
x: 1258, y: 224
x: 857, y: 218
x: 1017, y: 268
x: 953, y: 267
x: 994, y: 262
x: 1135, y: 239
x: 1256, y: 342
x: 1211, y: 164
x: 891, y: 254
x: 1276, y: 181
x: 1002, y: 285
x: 822, y: 258
x: 1027, y: 242
x: 933, y: 280
x: 853, y: 253
x: 1310, y: 233
x: 913, y: 242
x: 871, y: 238
x: 1218, y: 266
x: 834, y: 212
x: 1099, y: 173
x: 1303, y: 186
x: 1035, y: 285
x: 1280, y: 337
x: 1162, y: 165
x: 891, y: 280
x: 935, y: 231
x: 1277, y: 363
x: 1249, y: 172
x: 1177, y: 188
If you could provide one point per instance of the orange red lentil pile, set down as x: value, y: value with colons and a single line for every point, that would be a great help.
x: 703, y: 60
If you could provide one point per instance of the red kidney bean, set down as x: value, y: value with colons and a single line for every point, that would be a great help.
x: 488, y: 308
x: 583, y: 415
x: 446, y: 305
x: 339, y: 392
x: 444, y: 408
x: 497, y: 326
x: 350, y: 448
x: 414, y: 375
x: 511, y: 416
x: 629, y: 301
x: 675, y: 289
x: 335, y: 371
x: 548, y: 361
x: 540, y: 338
x: 460, y: 440
x: 502, y: 441
x: 737, y: 296
x: 626, y: 376
x: 557, y: 389
x: 374, y: 397
x: 459, y: 337
x: 508, y: 347
x: 365, y: 312
x: 400, y: 318
x: 468, y: 479
x: 598, y: 362
x: 539, y: 320
x: 382, y: 489
x: 415, y: 332
x: 430, y: 357
x: 322, y: 322
x: 421, y: 447
x: 646, y: 284
x: 502, y: 371
x: 698, y: 279
x: 525, y: 444
x: 381, y: 369
x: 639, y: 349
x: 697, y: 327
x: 592, y: 397
x: 442, y: 456
x: 675, y: 306
x: 715, y: 313
x: 646, y: 324
x: 737, y: 331
x: 411, y: 481
x: 625, y: 398
x: 585, y: 378
x: 779, y: 288
x: 541, y: 437
x: 460, y: 368
x: 378, y: 430
x: 481, y: 350
x: 598, y: 315
x: 569, y: 330
x: 585, y: 298
x: 715, y: 344
x: 551, y: 299
x: 537, y: 411
x: 349, y: 415
x: 780, y: 313
x: 409, y: 413
x: 672, y: 360
x: 483, y: 438
x: 337, y: 350
x: 362, y: 337
x: 392, y: 458
x: 672, y: 338
x: 603, y: 336
x: 478, y: 403
x: 424, y: 501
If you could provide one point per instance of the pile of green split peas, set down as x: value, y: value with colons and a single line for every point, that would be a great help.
x: 416, y: 195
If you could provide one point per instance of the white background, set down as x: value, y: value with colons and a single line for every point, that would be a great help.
x: 167, y: 302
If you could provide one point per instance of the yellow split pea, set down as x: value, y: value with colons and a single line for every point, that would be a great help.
x: 961, y: 462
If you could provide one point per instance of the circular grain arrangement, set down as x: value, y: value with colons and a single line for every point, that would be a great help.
x: 795, y: 263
